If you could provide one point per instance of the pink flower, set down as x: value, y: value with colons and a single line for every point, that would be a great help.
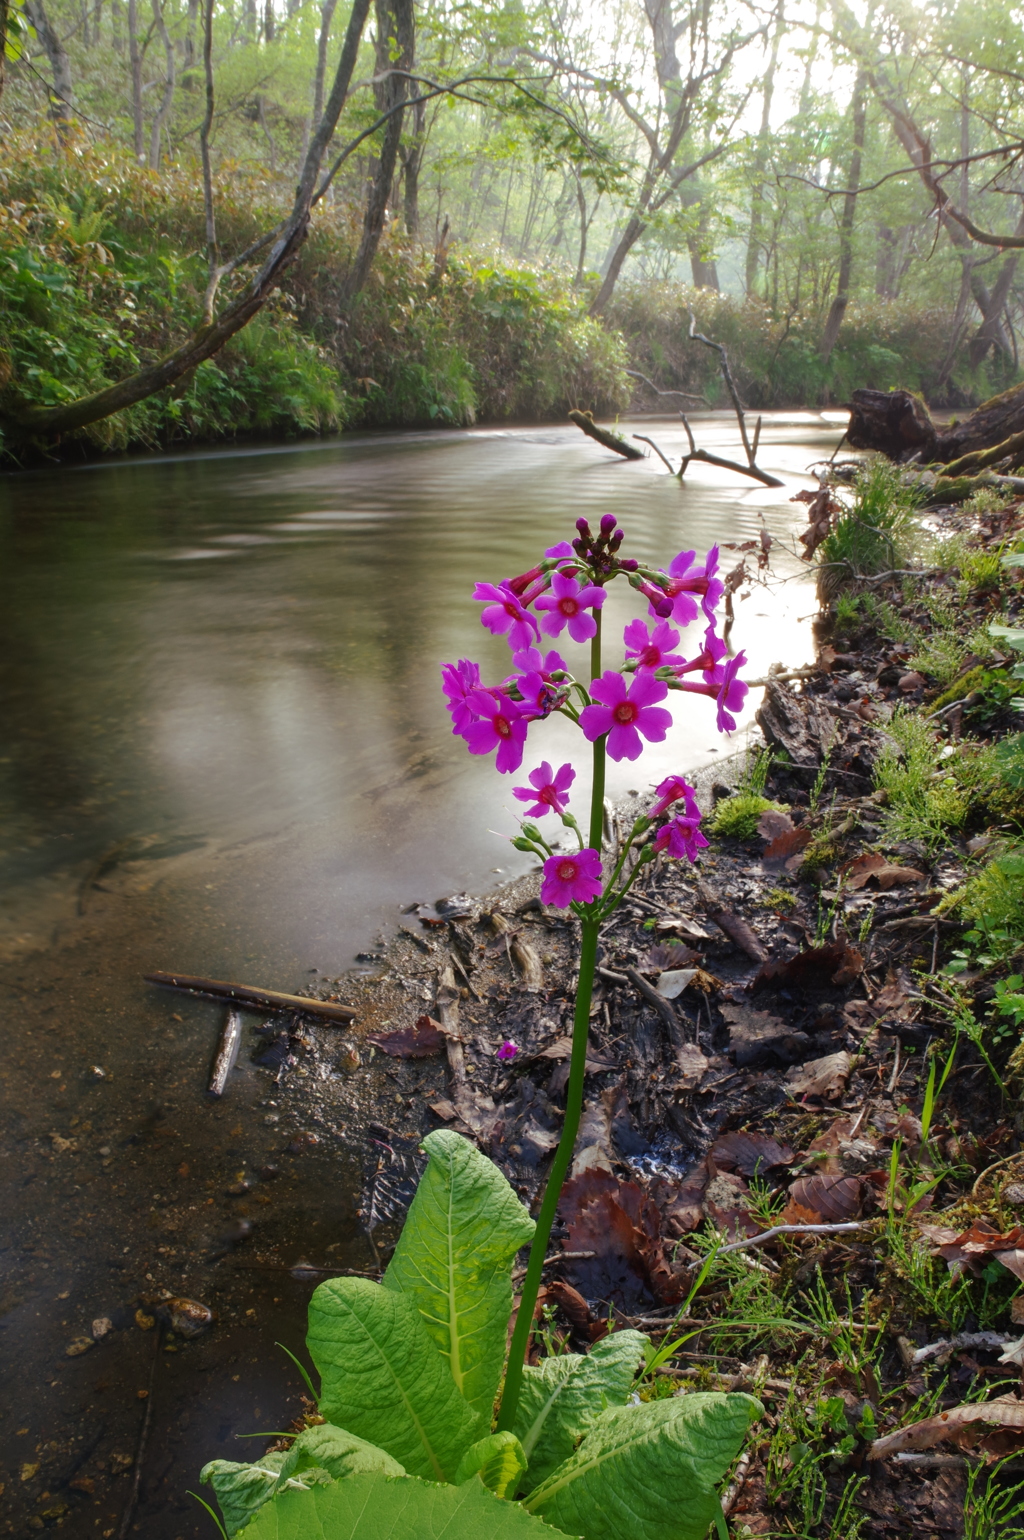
x: 567, y: 603
x: 685, y: 580
x: 562, y: 549
x: 540, y: 692
x: 651, y: 649
x: 458, y: 680
x: 626, y: 713
x: 548, y: 789
x: 674, y: 789
x: 519, y: 584
x: 681, y: 839
x: 571, y: 879
x: 726, y: 689
x: 709, y: 659
x: 508, y: 1049
x: 501, y: 724
x: 506, y: 613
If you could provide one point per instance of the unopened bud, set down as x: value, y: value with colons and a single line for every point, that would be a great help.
x: 608, y: 523
x: 523, y: 844
x: 584, y: 528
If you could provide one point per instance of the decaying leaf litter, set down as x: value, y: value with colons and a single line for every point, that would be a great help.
x: 798, y: 1167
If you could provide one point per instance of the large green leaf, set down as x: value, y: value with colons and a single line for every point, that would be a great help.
x: 383, y: 1378
x: 318, y: 1455
x: 648, y: 1472
x: 561, y: 1397
x: 454, y: 1259
x: 498, y: 1460
x: 375, y: 1508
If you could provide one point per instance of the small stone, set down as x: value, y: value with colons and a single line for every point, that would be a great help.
x: 79, y: 1346
x: 188, y: 1317
x: 1014, y: 1193
x: 102, y: 1327
x: 271, y: 1118
x: 269, y: 1173
x: 28, y: 1471
x: 104, y: 1150
x: 83, y: 1484
x: 141, y: 1395
x: 349, y: 1061
x: 238, y: 1189
x: 304, y: 1140
x: 143, y: 1321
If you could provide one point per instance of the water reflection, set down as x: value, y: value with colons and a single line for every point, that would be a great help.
x: 241, y: 648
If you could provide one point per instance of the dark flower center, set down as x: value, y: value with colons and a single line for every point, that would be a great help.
x: 566, y: 871
x: 502, y: 727
x: 625, y: 712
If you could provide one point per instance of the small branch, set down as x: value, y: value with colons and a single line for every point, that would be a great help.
x: 732, y: 465
x: 645, y: 440
x: 688, y: 395
x: 730, y: 383
x: 735, y: 1486
x: 769, y: 1235
x: 585, y: 422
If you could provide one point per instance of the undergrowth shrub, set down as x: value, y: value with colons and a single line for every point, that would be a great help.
x: 874, y: 535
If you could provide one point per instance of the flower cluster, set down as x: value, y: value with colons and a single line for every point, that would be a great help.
x: 616, y: 709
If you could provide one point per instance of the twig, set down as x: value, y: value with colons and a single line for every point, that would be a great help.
x: 688, y: 395
x: 140, y: 1448
x: 556, y: 1256
x: 645, y: 440
x: 735, y: 1486
x: 260, y: 999
x: 769, y: 1235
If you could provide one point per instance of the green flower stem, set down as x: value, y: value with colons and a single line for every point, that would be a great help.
x: 553, y: 1191
x: 590, y: 923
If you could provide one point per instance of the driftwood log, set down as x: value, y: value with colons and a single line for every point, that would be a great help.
x: 897, y: 424
x: 253, y: 999
x: 585, y: 422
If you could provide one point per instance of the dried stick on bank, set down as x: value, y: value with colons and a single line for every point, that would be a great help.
x: 260, y: 999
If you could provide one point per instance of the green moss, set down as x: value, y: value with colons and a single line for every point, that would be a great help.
x: 737, y: 817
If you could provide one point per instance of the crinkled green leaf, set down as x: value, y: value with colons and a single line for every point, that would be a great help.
x: 648, y: 1472
x: 338, y: 1452
x: 454, y: 1259
x: 561, y: 1397
x: 242, y: 1489
x: 369, y: 1507
x: 498, y: 1460
x: 383, y: 1378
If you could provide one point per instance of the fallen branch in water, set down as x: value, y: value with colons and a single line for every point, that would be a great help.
x: 256, y: 999
x: 585, y: 422
x: 708, y: 458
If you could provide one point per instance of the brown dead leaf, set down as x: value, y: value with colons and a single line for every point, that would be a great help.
x: 787, y: 851
x: 444, y: 1109
x: 815, y: 968
x: 620, y: 1223
x: 752, y: 1154
x: 672, y: 955
x: 575, y: 1309
x: 739, y: 931
x: 424, y: 1037
x: 759, y: 1037
x: 875, y: 868
x: 966, y: 1250
x: 773, y: 822
x: 970, y: 1418
x: 692, y: 1065
x: 821, y: 506
x: 823, y: 1079
x: 823, y: 1200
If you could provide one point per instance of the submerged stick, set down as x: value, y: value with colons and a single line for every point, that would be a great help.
x: 227, y: 1051
x: 585, y: 422
x: 256, y: 999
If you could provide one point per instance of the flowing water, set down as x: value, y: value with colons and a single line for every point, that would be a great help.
x: 224, y: 751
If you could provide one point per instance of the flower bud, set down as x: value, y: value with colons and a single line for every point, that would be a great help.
x: 584, y: 528
x: 608, y: 523
x: 628, y: 563
x: 523, y: 844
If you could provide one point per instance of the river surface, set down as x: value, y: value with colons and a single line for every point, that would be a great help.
x: 224, y: 751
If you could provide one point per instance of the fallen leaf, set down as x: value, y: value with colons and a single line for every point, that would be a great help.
x: 823, y: 1200
x: 692, y: 1065
x: 814, y: 968
x: 1013, y: 1353
x: 444, y: 1109
x: 786, y: 852
x: 682, y: 1205
x: 561, y: 1049
x: 575, y: 1309
x: 620, y: 1223
x: 912, y: 681
x: 773, y: 822
x: 756, y: 1037
x: 685, y: 925
x: 672, y: 955
x: 424, y: 1037
x: 824, y: 1078
x: 752, y: 1154
x: 1004, y: 1412
x: 963, y: 1251
x: 739, y: 931
x: 626, y: 1137
x: 672, y: 982
x: 875, y: 868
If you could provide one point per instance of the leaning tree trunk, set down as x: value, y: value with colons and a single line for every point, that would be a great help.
x: 897, y: 424
x: 61, y: 109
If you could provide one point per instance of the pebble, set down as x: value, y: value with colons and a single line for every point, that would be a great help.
x: 1014, y: 1193
x: 304, y: 1140
x: 188, y: 1317
x: 272, y: 1117
x: 143, y: 1321
x: 102, y: 1327
x: 79, y: 1346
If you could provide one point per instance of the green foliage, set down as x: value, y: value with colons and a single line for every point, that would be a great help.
x: 873, y: 535
x: 930, y: 788
x: 561, y: 1397
x: 737, y: 817
x: 453, y: 1262
x: 993, y: 900
x: 409, y: 1372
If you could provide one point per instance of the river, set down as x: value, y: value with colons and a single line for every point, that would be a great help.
x: 225, y: 752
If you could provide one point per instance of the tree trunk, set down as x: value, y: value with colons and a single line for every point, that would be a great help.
x: 753, y: 261
x: 61, y: 97
x: 394, y: 32
x: 635, y: 227
x: 135, y: 57
x: 188, y: 55
x: 412, y: 162
x: 209, y: 338
x: 837, y: 309
x: 4, y: 14
x: 160, y: 121
x: 897, y: 424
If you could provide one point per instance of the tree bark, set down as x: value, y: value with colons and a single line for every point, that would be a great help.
x: 753, y: 261
x: 837, y: 309
x: 898, y: 424
x: 395, y: 29
x: 207, y: 339
x: 4, y: 22
x: 160, y: 121
x: 135, y: 58
x: 412, y: 162
x: 61, y: 95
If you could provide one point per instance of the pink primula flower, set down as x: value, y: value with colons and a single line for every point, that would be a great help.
x: 651, y: 649
x: 458, y: 680
x: 540, y: 692
x: 502, y: 725
x: 508, y: 1049
x: 626, y: 713
x: 547, y: 789
x: 671, y: 790
x: 567, y: 604
x: 709, y: 659
x: 681, y: 839
x: 571, y: 879
x: 504, y: 614
x: 729, y: 691
x: 685, y: 580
